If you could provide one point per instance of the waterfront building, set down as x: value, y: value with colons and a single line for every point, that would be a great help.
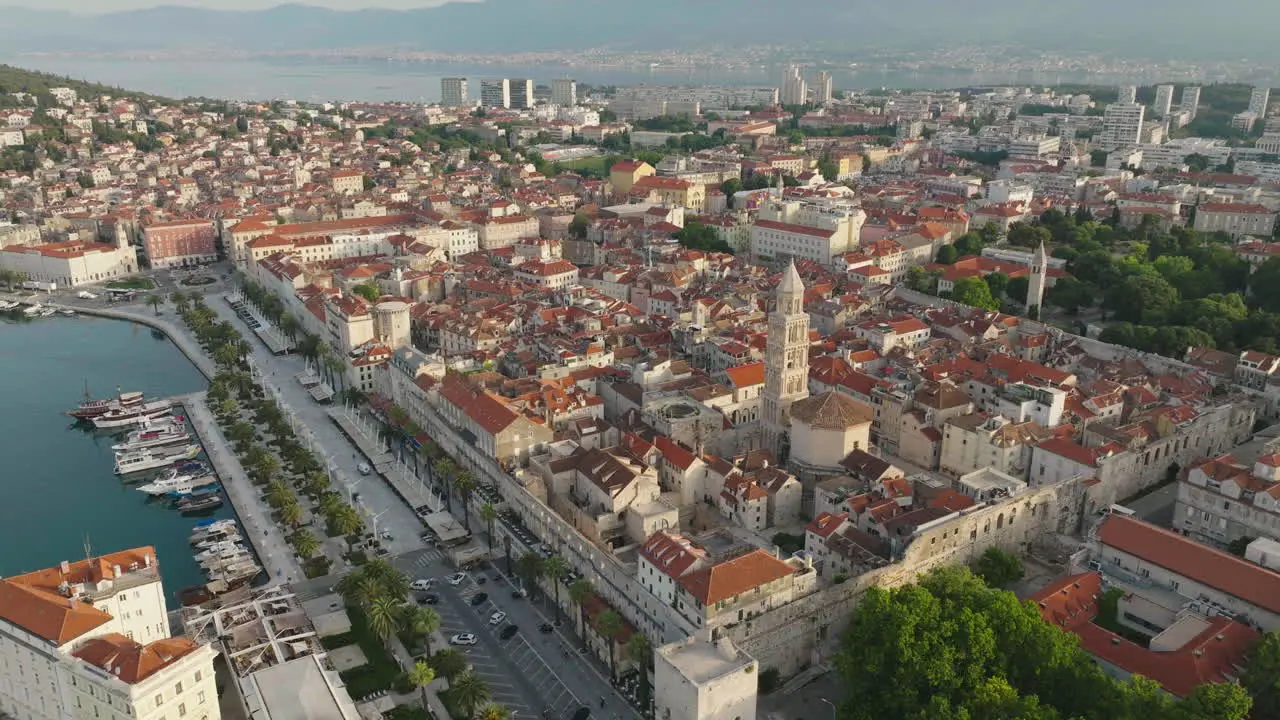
x: 72, y: 263
x: 453, y: 91
x: 180, y: 243
x: 90, y: 639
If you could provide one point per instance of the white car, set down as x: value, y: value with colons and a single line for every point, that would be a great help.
x: 457, y: 578
x: 86, y: 295
x: 463, y: 639
x: 421, y: 584
x: 364, y: 469
x: 497, y: 618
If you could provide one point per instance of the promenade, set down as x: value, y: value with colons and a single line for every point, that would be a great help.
x: 268, y: 540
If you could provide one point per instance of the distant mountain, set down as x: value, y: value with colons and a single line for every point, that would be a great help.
x: 1224, y: 29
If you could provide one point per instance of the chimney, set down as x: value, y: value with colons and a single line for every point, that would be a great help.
x: 146, y: 560
x: 64, y: 567
x: 115, y: 569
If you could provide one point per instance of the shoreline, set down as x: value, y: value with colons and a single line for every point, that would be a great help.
x: 194, y: 355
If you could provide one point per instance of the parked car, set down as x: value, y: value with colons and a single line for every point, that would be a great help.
x: 478, y: 599
x: 457, y: 578
x: 364, y: 469
x: 497, y: 618
x: 463, y: 639
x: 429, y: 599
x: 509, y: 632
x: 421, y: 584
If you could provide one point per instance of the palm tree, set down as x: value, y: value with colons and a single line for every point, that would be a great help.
x: 291, y: 513
x: 465, y: 484
x: 6, y: 277
x: 579, y: 592
x: 422, y: 621
x: 346, y: 521
x: 179, y: 300
x: 554, y: 568
x: 494, y: 711
x: 359, y: 590
x: 393, y: 582
x: 289, y: 325
x: 305, y: 543
x: 330, y: 502
x: 384, y: 617
x: 338, y: 368
x: 241, y: 433
x: 609, y: 626
x: 530, y: 567
x: 489, y: 514
x: 226, y: 356
x: 317, y: 482
x: 640, y: 651
x: 354, y: 396
x: 278, y: 493
x: 449, y: 664
x: 421, y: 675
x: 155, y: 301
x: 227, y: 407
x: 443, y: 471
x: 470, y: 692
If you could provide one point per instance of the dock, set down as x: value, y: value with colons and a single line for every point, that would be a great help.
x: 268, y: 541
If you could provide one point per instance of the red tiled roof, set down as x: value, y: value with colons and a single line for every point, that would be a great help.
x: 734, y: 577
x: 794, y: 229
x: 672, y: 553
x: 130, y: 661
x: 746, y: 375
x: 1225, y: 572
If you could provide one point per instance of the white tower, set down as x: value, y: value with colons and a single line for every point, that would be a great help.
x: 786, y: 363
x: 1039, y: 271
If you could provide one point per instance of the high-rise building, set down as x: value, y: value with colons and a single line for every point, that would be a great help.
x: 1164, y: 100
x: 90, y: 638
x: 1121, y: 125
x: 786, y: 361
x: 453, y: 91
x: 1190, y: 100
x: 521, y: 94
x: 1039, y: 274
x: 1259, y: 99
x: 794, y: 89
x: 823, y: 89
x: 564, y: 92
x: 495, y: 93
x: 1127, y: 94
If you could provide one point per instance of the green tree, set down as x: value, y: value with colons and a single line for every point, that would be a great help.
x: 1196, y: 162
x: 449, y: 663
x: 554, y: 569
x: 422, y: 621
x: 998, y: 283
x: 494, y: 711
x: 368, y: 291
x: 578, y: 226
x: 470, y: 692
x: 1141, y: 298
x: 609, y: 626
x: 1264, y: 285
x: 291, y: 513
x: 640, y: 651
x: 1017, y: 288
x: 947, y: 255
x: 305, y: 543
x: 1071, y: 294
x: 974, y: 291
x: 1262, y: 676
x: 530, y: 567
x: 385, y: 617
x: 697, y: 236
x: 489, y: 514
x: 421, y: 675
x: 998, y: 568
x: 580, y: 591
x: 465, y: 485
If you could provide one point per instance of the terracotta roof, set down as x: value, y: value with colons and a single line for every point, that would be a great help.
x: 48, y: 615
x: 1225, y: 572
x: 831, y: 411
x: 673, y: 453
x: 131, y: 661
x: 733, y: 577
x: 672, y: 553
x: 794, y: 229
x: 746, y: 375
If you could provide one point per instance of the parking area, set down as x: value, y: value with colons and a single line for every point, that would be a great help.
x: 516, y: 670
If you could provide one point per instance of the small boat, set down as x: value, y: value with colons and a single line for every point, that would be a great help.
x: 243, y: 570
x: 200, y: 594
x: 124, y: 417
x: 228, y: 559
x: 33, y: 310
x: 8, y: 305
x: 47, y: 311
x: 91, y: 408
x: 219, y: 548
x: 204, y: 503
x: 194, y: 491
x: 152, y: 458
x: 184, y: 486
x: 67, y: 312
x: 142, y: 439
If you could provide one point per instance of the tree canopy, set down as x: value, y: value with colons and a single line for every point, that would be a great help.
x: 951, y: 647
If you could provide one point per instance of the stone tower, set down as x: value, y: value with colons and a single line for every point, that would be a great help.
x: 1039, y: 273
x: 786, y: 374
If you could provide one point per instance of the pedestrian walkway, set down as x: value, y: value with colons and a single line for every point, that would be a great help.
x: 273, y: 549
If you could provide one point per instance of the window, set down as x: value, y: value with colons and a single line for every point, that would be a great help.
x: 177, y: 689
x: 182, y: 709
x: 123, y: 597
x: 159, y: 700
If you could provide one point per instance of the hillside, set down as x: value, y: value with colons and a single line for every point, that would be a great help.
x: 1170, y: 28
x: 15, y: 79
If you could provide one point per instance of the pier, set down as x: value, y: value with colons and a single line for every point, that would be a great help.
x: 269, y: 543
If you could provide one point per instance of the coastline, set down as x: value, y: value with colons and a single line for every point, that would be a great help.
x: 192, y: 352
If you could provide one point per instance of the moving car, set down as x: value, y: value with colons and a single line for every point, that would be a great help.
x: 478, y: 599
x: 421, y: 584
x: 457, y: 578
x: 509, y: 632
x: 463, y: 639
x: 497, y: 618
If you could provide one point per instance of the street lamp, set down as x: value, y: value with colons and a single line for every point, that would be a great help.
x: 833, y: 707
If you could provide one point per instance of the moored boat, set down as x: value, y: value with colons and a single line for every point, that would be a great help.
x: 197, y: 505
x: 161, y: 487
x: 153, y: 458
x: 145, y: 438
x: 124, y: 417
x: 91, y: 408
x: 195, y: 490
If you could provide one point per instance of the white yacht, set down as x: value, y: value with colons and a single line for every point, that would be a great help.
x: 161, y: 487
x: 228, y: 559
x: 152, y: 458
x: 148, y: 438
x: 124, y: 417
x: 219, y: 548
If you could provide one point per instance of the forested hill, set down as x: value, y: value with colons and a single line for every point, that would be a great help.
x: 15, y: 79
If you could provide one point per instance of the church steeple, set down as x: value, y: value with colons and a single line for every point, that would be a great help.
x: 1036, y: 284
x: 786, y: 378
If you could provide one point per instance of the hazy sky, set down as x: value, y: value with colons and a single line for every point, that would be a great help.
x: 101, y: 6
